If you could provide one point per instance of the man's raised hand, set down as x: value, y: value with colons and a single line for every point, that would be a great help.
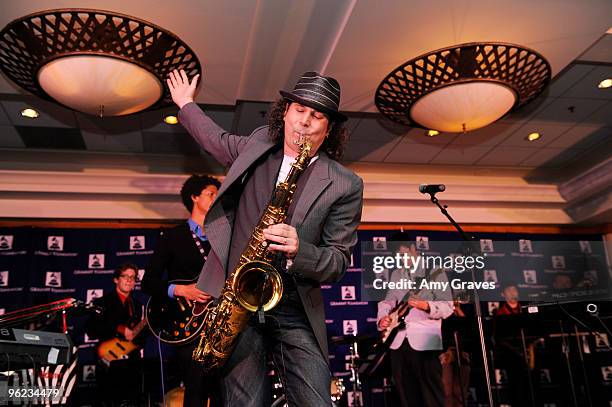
x: 181, y: 90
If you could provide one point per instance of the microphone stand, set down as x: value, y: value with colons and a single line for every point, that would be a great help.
x: 483, y: 346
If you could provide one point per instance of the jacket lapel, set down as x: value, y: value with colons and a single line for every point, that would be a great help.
x: 319, y: 180
x: 218, y: 227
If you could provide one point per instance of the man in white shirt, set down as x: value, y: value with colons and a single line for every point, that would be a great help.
x: 415, y: 350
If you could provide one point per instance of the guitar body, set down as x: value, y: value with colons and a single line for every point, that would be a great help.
x: 117, y: 348
x: 397, y: 315
x: 382, y: 346
x: 175, y: 320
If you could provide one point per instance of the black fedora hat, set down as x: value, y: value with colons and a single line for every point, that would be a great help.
x: 321, y: 93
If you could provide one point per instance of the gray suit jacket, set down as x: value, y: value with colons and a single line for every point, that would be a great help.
x: 325, y: 217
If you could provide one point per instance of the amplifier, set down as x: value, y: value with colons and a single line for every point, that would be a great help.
x: 22, y: 349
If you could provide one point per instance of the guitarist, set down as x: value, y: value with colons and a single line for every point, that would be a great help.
x: 414, y: 351
x: 174, y: 269
x: 121, y: 312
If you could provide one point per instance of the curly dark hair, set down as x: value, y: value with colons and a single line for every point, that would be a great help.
x: 194, y: 186
x: 333, y: 145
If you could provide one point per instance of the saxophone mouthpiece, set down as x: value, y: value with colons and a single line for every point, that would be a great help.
x: 299, y: 141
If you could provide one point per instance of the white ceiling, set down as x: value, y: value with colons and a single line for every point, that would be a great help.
x: 251, y: 49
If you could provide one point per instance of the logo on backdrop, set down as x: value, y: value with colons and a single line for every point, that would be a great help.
x: 486, y: 245
x: 379, y: 242
x: 4, y: 277
x: 525, y: 246
x: 93, y: 294
x: 558, y: 262
x: 140, y: 275
x: 530, y: 277
x: 591, y: 277
x: 6, y: 242
x: 354, y: 398
x: 87, y: 339
x: 55, y: 243
x: 501, y: 377
x: 53, y: 279
x: 585, y: 246
x: 601, y: 340
x: 96, y: 261
x: 422, y: 243
x: 545, y: 376
x: 492, y: 307
x: 606, y: 373
x: 89, y: 373
x: 490, y: 276
x: 349, y: 327
x: 137, y: 242
x: 471, y: 396
x: 348, y: 292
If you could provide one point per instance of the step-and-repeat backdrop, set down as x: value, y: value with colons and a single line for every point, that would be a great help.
x: 40, y: 265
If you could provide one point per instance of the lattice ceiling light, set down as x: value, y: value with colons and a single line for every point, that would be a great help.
x: 96, y: 62
x: 463, y: 87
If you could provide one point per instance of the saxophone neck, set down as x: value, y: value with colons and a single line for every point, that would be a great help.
x: 303, y: 159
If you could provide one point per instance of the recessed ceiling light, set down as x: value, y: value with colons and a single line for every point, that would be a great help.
x: 533, y: 136
x: 29, y: 113
x: 606, y: 83
x: 171, y: 119
x: 432, y: 133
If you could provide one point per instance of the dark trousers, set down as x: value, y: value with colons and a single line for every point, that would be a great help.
x: 198, y: 385
x: 455, y: 377
x: 288, y: 337
x: 417, y: 376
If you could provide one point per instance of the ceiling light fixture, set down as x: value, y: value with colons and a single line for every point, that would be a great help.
x: 97, y: 62
x: 605, y: 84
x: 432, y: 133
x: 29, y: 113
x: 171, y: 119
x: 463, y: 87
x: 533, y: 136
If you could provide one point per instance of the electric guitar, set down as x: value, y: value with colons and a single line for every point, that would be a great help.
x: 397, y: 315
x: 380, y: 349
x: 175, y: 320
x: 117, y: 348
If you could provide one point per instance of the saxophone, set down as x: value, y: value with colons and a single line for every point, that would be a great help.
x: 254, y: 283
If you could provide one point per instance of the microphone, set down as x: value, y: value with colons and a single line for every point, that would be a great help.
x: 431, y: 189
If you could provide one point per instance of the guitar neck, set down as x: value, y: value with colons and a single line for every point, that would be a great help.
x: 402, y: 309
x: 139, y: 327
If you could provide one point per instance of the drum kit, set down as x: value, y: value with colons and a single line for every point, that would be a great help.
x: 336, y: 389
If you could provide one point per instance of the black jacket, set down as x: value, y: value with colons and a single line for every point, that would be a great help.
x: 113, y: 313
x: 176, y: 260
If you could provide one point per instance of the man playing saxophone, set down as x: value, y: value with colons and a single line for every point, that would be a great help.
x: 313, y: 245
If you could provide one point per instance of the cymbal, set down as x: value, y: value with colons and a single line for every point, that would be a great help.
x: 348, y: 339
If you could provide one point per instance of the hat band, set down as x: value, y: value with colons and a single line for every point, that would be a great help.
x: 335, y: 104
